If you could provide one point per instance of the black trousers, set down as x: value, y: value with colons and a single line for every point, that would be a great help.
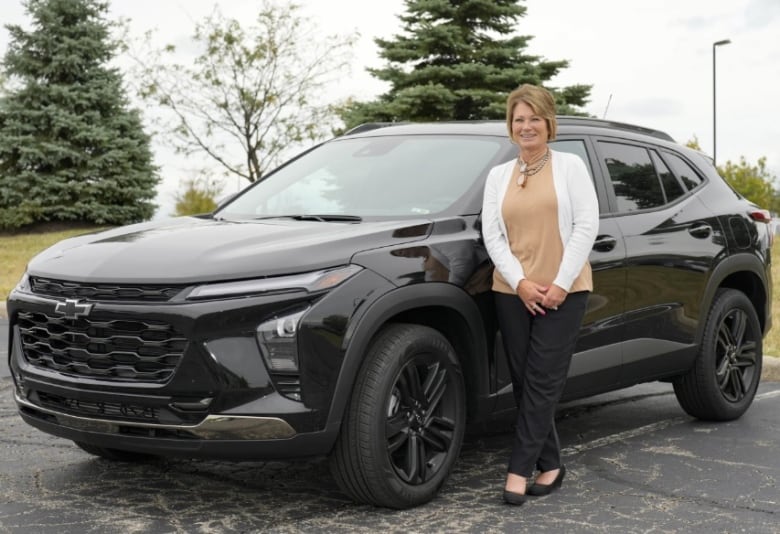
x: 539, y: 349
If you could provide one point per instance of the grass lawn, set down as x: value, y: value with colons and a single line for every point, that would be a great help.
x: 772, y: 339
x: 17, y: 249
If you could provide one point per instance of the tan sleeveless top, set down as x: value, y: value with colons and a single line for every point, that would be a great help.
x: 531, y: 217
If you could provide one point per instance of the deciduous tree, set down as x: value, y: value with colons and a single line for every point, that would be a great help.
x: 252, y: 92
x: 199, y: 196
x: 753, y: 181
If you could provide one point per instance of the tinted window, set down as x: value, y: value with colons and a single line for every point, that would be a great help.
x: 633, y: 177
x: 376, y: 176
x: 672, y: 188
x: 683, y: 170
x: 574, y: 146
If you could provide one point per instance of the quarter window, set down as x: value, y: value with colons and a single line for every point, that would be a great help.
x: 683, y: 170
x: 672, y: 188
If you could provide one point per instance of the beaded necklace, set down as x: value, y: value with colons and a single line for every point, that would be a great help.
x: 534, y: 167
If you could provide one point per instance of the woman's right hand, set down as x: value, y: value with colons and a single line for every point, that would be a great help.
x: 532, y: 295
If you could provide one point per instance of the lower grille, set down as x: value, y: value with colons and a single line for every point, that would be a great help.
x: 127, y: 349
x: 109, y: 410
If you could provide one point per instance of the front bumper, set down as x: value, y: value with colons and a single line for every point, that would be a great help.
x: 220, y: 399
x: 219, y: 437
x: 212, y: 427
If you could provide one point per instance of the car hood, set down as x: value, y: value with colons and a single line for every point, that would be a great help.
x: 191, y: 249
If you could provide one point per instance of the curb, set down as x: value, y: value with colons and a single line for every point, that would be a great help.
x: 769, y: 373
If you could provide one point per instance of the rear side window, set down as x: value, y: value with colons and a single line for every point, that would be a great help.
x: 633, y: 177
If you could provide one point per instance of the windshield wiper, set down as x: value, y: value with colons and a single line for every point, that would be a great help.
x: 315, y: 217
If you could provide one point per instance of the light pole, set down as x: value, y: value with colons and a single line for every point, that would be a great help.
x: 715, y: 45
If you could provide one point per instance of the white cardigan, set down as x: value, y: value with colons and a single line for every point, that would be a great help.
x: 578, y: 218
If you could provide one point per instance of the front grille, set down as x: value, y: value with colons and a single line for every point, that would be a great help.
x: 109, y: 410
x: 103, y: 292
x: 126, y: 349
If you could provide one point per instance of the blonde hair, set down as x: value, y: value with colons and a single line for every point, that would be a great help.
x: 540, y: 100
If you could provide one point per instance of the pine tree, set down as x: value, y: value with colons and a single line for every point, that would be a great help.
x: 71, y: 149
x: 452, y: 64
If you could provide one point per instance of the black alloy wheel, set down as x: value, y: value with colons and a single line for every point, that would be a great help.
x: 404, y: 425
x: 420, y: 419
x: 723, y: 381
x: 735, y: 360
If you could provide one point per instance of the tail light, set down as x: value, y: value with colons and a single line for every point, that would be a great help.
x: 764, y: 216
x: 761, y: 216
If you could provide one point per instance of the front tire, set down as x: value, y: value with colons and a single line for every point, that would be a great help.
x: 723, y: 381
x: 404, y: 425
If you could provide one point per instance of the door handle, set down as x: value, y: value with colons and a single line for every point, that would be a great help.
x: 700, y: 231
x: 604, y: 243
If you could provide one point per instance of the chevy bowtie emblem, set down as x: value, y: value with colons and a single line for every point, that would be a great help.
x: 73, y: 309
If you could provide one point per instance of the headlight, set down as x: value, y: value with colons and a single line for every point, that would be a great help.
x: 23, y: 284
x: 310, y: 282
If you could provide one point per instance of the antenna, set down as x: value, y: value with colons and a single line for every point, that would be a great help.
x: 607, y: 108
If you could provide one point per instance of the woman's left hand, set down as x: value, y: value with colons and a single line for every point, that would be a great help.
x: 554, y: 297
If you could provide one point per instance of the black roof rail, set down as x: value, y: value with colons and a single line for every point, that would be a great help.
x: 367, y: 127
x: 603, y: 123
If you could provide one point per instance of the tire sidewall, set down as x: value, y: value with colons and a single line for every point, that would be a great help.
x: 726, y: 302
x: 421, y: 341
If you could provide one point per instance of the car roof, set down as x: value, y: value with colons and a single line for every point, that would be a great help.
x: 566, y: 124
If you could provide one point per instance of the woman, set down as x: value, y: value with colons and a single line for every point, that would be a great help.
x: 539, y: 220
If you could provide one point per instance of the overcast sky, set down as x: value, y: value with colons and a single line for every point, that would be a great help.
x: 649, y: 63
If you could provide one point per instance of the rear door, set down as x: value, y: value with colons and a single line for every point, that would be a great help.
x: 671, y: 241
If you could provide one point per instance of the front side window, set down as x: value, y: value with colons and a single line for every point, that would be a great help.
x: 576, y: 147
x: 387, y: 176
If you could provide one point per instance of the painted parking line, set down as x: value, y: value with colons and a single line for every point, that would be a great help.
x: 768, y: 395
x: 642, y: 430
x: 620, y: 436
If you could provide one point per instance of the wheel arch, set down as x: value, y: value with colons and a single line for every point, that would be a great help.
x: 444, y: 307
x: 745, y: 273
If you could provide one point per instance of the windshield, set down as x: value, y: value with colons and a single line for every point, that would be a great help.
x: 374, y: 176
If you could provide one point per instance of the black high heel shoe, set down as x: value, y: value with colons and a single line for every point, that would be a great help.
x: 537, y: 490
x: 510, y: 497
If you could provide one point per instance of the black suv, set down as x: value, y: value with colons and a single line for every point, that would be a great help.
x: 342, y: 306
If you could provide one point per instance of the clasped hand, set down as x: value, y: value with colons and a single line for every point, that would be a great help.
x: 537, y: 297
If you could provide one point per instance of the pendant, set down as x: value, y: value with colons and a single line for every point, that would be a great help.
x: 522, y: 175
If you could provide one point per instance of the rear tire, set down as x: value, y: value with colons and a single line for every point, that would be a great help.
x: 723, y: 381
x: 404, y: 425
x: 116, y: 455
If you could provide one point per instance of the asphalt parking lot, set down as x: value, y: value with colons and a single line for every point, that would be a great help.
x: 636, y: 463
